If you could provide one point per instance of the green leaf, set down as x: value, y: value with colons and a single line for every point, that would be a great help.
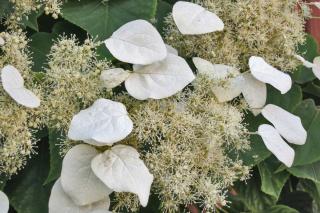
x: 309, y: 50
x: 272, y: 183
x: 312, y: 89
x: 310, y: 117
x: 26, y: 191
x: 40, y: 46
x: 32, y: 19
x: 5, y: 7
x: 281, y: 209
x: 312, y: 188
x: 252, y: 197
x: 310, y: 171
x: 288, y: 101
x: 102, y: 18
x: 163, y: 10
x: 55, y: 157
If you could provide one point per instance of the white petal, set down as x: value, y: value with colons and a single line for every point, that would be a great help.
x: 276, y: 144
x: 159, y: 80
x: 113, y: 77
x: 192, y: 19
x: 13, y: 84
x: 229, y: 91
x: 122, y: 170
x: 2, y: 42
x: 137, y: 42
x: 104, y: 123
x: 254, y: 91
x: 77, y: 178
x: 317, y: 4
x: 287, y: 124
x: 4, y: 203
x: 171, y: 50
x: 214, y: 71
x: 59, y: 202
x: 304, y: 61
x: 316, y: 67
x: 266, y: 73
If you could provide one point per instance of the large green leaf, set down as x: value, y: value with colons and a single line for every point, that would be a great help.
x: 55, y: 157
x: 281, y: 209
x: 163, y: 10
x: 102, y: 18
x: 272, y: 183
x: 312, y: 188
x: 40, y: 46
x: 26, y: 191
x: 310, y: 171
x: 32, y: 19
x: 310, y: 116
x: 253, y: 198
x: 309, y: 50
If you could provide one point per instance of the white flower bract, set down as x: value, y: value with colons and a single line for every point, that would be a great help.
x: 266, y: 73
x: 4, y: 203
x: 104, y: 123
x: 13, y: 84
x: 276, y: 144
x: 137, y: 42
x: 60, y: 202
x: 113, y: 77
x: 121, y: 169
x: 192, y: 19
x: 77, y: 178
x: 159, y: 80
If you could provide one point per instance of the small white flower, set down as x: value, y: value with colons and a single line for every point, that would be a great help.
x: 13, y: 84
x: 192, y: 19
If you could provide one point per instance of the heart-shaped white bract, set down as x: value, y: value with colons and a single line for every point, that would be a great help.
x: 192, y: 19
x: 287, y: 124
x: 113, y: 77
x: 171, y: 50
x: 316, y: 67
x: 77, y: 178
x: 60, y: 202
x: 276, y: 144
x: 121, y: 169
x: 4, y: 203
x: 13, y: 84
x: 221, y: 72
x: 266, y: 73
x: 159, y: 80
x: 137, y: 42
x: 104, y: 123
x: 254, y: 92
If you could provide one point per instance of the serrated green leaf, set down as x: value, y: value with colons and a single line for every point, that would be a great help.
x: 26, y: 191
x: 309, y: 50
x: 55, y: 158
x: 102, y: 18
x: 40, y: 46
x: 272, y: 183
x: 32, y: 19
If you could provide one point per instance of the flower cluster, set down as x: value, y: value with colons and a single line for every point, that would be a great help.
x: 22, y: 8
x: 15, y: 120
x: 270, y: 29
